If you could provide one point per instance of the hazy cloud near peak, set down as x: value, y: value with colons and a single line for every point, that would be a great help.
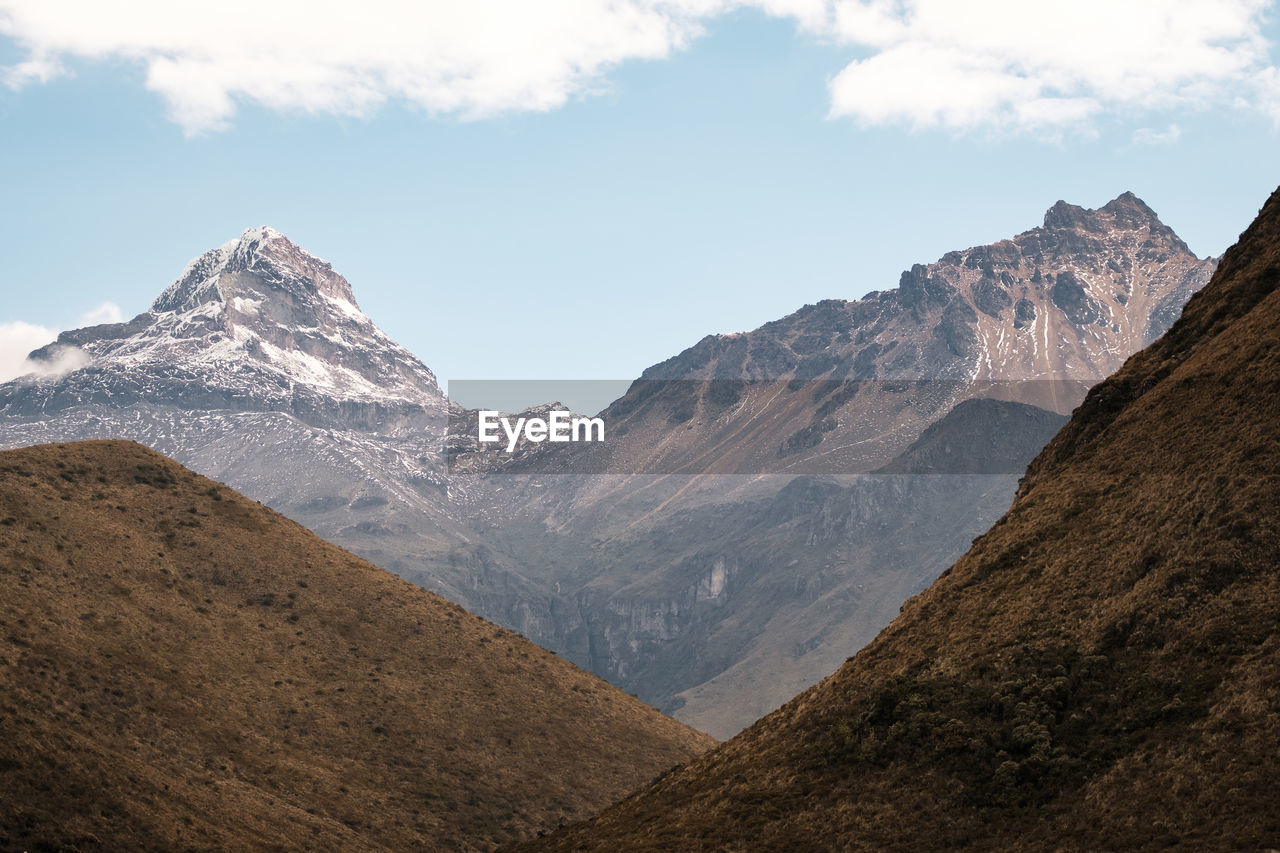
x: 16, y: 340
x: 999, y: 64
x: 107, y: 312
x: 19, y: 339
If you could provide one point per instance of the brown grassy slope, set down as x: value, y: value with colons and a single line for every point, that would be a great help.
x: 182, y: 668
x: 1100, y: 671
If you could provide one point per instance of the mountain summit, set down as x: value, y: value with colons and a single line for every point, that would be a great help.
x: 257, y: 367
x: 271, y: 259
x: 258, y: 324
x: 1042, y: 315
x: 1059, y: 300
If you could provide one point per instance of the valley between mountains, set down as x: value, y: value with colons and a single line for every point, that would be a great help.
x: 766, y: 500
x: 182, y: 667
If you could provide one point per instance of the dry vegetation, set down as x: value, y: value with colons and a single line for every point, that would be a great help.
x: 1100, y: 671
x: 182, y: 668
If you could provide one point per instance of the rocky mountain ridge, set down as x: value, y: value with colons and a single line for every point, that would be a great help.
x: 1036, y: 319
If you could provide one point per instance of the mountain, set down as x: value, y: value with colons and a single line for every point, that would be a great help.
x: 692, y: 569
x: 1037, y: 318
x: 257, y: 325
x: 256, y: 367
x: 182, y: 668
x: 1099, y: 671
x: 677, y: 559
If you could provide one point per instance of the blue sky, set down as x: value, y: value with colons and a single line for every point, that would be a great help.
x: 696, y: 169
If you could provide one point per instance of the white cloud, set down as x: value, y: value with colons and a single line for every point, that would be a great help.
x: 107, y: 312
x: 36, y: 69
x: 1269, y: 85
x: 16, y: 340
x: 19, y: 339
x: 1026, y: 65
x: 1151, y: 136
x: 1000, y: 64
x: 64, y: 359
x: 473, y: 59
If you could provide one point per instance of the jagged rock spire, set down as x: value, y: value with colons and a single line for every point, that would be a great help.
x: 272, y: 259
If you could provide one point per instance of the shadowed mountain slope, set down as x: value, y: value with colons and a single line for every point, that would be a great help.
x: 182, y: 668
x: 1100, y: 671
x: 979, y: 436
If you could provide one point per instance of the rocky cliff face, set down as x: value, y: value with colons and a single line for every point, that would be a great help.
x: 1060, y: 301
x: 654, y: 562
x: 1037, y: 319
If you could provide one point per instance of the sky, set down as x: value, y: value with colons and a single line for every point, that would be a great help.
x: 578, y: 189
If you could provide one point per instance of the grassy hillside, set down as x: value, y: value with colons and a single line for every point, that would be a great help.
x: 1100, y: 671
x: 182, y: 668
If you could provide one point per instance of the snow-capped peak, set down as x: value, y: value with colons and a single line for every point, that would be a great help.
x: 260, y: 321
x: 275, y: 261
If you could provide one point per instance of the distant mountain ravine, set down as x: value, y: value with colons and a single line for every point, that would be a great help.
x: 1101, y: 670
x: 678, y: 561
